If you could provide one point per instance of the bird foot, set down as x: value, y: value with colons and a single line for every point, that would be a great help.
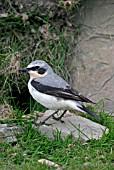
x: 58, y: 119
x: 43, y: 123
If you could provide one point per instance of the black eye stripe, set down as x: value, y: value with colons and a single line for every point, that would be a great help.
x: 41, y: 71
x: 33, y: 68
x: 38, y: 69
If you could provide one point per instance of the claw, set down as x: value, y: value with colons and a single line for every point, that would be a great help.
x: 58, y: 119
x: 43, y: 123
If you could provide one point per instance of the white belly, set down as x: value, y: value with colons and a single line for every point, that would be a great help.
x: 52, y: 102
x: 48, y: 101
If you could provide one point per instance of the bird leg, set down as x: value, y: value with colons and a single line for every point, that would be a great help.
x: 59, y: 118
x: 44, y: 121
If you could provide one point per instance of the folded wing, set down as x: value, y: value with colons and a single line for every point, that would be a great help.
x: 65, y: 93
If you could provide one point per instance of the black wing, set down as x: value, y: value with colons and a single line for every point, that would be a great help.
x: 67, y: 93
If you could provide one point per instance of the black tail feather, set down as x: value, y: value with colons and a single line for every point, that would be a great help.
x: 85, y: 109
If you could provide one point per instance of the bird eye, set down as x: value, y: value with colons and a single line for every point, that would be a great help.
x: 41, y: 70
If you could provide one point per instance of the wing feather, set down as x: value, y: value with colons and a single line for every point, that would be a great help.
x: 66, y: 93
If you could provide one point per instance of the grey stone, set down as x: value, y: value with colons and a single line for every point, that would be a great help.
x: 7, y: 133
x: 78, y: 126
x: 93, y: 63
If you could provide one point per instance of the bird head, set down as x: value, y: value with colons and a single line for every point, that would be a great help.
x: 37, y: 69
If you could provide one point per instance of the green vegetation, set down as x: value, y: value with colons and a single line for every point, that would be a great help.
x: 68, y: 154
x: 24, y: 37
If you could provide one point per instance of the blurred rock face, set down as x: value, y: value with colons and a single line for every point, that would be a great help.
x: 94, y: 61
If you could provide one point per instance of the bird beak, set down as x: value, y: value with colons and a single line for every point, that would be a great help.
x: 23, y: 69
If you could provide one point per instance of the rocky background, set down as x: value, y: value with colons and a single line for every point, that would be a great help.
x: 94, y: 56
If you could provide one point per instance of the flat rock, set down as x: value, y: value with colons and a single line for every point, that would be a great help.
x: 78, y: 126
x: 7, y: 133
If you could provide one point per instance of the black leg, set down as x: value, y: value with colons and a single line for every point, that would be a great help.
x: 43, y: 122
x: 59, y: 118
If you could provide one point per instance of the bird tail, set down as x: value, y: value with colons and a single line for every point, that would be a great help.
x: 85, y: 109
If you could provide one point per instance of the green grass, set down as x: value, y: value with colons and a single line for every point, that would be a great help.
x: 40, y: 36
x: 68, y: 154
x: 19, y: 46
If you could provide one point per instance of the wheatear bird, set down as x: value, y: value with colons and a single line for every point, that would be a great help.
x: 51, y: 91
